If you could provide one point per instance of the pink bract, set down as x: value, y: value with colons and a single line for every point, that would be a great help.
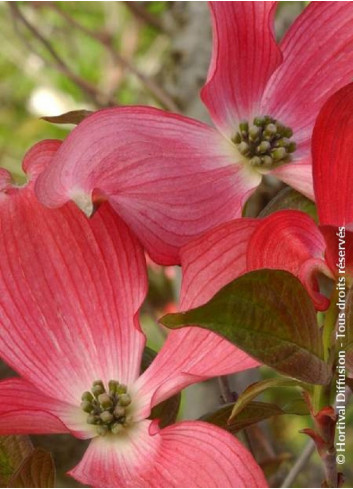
x: 170, y: 177
x: 70, y: 293
x: 287, y: 240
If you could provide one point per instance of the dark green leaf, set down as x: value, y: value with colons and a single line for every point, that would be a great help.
x: 253, y: 413
x: 147, y: 358
x: 37, y: 470
x: 268, y: 314
x: 13, y: 450
x: 296, y: 406
x: 258, y: 388
x: 289, y: 198
x: 72, y: 117
x: 166, y: 411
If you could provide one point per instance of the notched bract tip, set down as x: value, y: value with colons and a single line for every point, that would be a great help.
x: 85, y: 203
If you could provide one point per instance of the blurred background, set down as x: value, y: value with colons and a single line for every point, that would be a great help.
x: 57, y: 57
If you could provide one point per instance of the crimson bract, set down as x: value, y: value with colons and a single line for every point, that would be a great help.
x: 288, y: 240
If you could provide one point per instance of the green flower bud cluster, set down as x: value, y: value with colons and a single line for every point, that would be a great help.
x: 107, y: 409
x: 266, y: 142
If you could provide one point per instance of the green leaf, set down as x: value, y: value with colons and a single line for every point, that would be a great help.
x: 289, y: 198
x: 253, y: 413
x: 72, y: 117
x: 147, y: 358
x: 13, y: 450
x: 37, y: 470
x: 258, y: 388
x: 166, y: 411
x: 349, y: 329
x: 268, y: 314
x: 296, y: 406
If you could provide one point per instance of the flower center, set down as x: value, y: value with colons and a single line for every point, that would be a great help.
x: 266, y: 142
x: 108, y: 409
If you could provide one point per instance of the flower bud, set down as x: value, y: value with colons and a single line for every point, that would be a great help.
x: 117, y: 428
x: 270, y: 131
x: 254, y: 132
x: 102, y: 430
x: 244, y: 127
x: 255, y: 161
x: 97, y: 388
x: 87, y: 396
x: 106, y: 417
x: 124, y: 400
x: 86, y: 406
x: 243, y: 148
x: 266, y: 161
x: 279, y: 154
x: 105, y: 401
x: 119, y: 411
x: 263, y: 147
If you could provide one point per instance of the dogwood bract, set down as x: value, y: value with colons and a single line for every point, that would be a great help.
x: 170, y: 177
x: 288, y: 240
x: 70, y: 293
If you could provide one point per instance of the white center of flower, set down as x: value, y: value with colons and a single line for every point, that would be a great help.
x: 107, y: 409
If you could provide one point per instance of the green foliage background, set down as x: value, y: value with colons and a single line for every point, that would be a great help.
x: 31, y: 84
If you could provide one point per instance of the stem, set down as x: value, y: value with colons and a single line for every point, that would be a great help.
x: 321, y: 395
x: 322, y: 398
x: 226, y: 393
x: 302, y: 460
x: 144, y: 15
x: 330, y: 324
x: 259, y: 444
x: 330, y: 468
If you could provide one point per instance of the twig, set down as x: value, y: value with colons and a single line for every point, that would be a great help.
x: 259, y: 444
x: 143, y: 14
x: 160, y: 95
x: 302, y: 460
x: 86, y: 87
x: 226, y: 393
x: 330, y: 468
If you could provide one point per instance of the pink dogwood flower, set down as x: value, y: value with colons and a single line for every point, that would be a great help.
x: 70, y: 293
x: 170, y: 177
x: 288, y: 240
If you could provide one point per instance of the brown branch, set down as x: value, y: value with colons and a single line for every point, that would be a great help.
x: 226, y: 393
x: 330, y: 468
x: 141, y: 13
x: 58, y: 62
x: 302, y: 460
x: 160, y: 95
x: 259, y: 444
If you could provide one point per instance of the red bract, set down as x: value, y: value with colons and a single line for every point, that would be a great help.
x: 170, y: 177
x: 70, y: 293
x: 288, y: 240
x: 224, y: 253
